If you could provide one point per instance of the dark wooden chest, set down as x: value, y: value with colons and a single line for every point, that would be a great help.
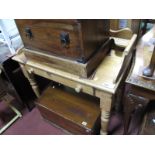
x: 77, y: 113
x: 73, y: 39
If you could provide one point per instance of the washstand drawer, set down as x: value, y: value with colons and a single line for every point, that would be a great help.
x: 78, y: 87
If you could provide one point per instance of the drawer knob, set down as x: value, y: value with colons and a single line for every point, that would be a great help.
x: 28, y: 33
x: 30, y: 70
x: 64, y: 39
x: 78, y: 89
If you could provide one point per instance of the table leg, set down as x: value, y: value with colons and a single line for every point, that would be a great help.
x: 30, y: 76
x: 105, y: 105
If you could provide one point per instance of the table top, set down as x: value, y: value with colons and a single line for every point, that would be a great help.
x: 143, y: 56
x: 105, y: 75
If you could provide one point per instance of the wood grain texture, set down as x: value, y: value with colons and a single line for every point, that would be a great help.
x: 85, y: 36
x: 139, y: 89
x: 132, y: 102
x: 142, y: 60
x: 133, y: 24
x: 80, y: 69
x: 77, y: 113
x: 125, y: 33
x: 111, y: 64
x: 101, y: 84
x: 106, y: 100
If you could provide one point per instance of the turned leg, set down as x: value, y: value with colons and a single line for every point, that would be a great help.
x: 30, y: 76
x: 105, y: 105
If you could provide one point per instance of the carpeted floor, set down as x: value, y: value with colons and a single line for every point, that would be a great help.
x: 32, y: 123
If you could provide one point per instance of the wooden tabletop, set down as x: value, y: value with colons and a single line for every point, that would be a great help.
x: 142, y: 60
x: 105, y: 76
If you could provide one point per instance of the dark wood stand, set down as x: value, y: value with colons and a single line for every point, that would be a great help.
x: 13, y: 75
x: 139, y: 89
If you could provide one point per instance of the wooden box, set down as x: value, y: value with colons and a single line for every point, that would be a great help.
x: 83, y: 70
x: 73, y: 39
x: 77, y: 113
